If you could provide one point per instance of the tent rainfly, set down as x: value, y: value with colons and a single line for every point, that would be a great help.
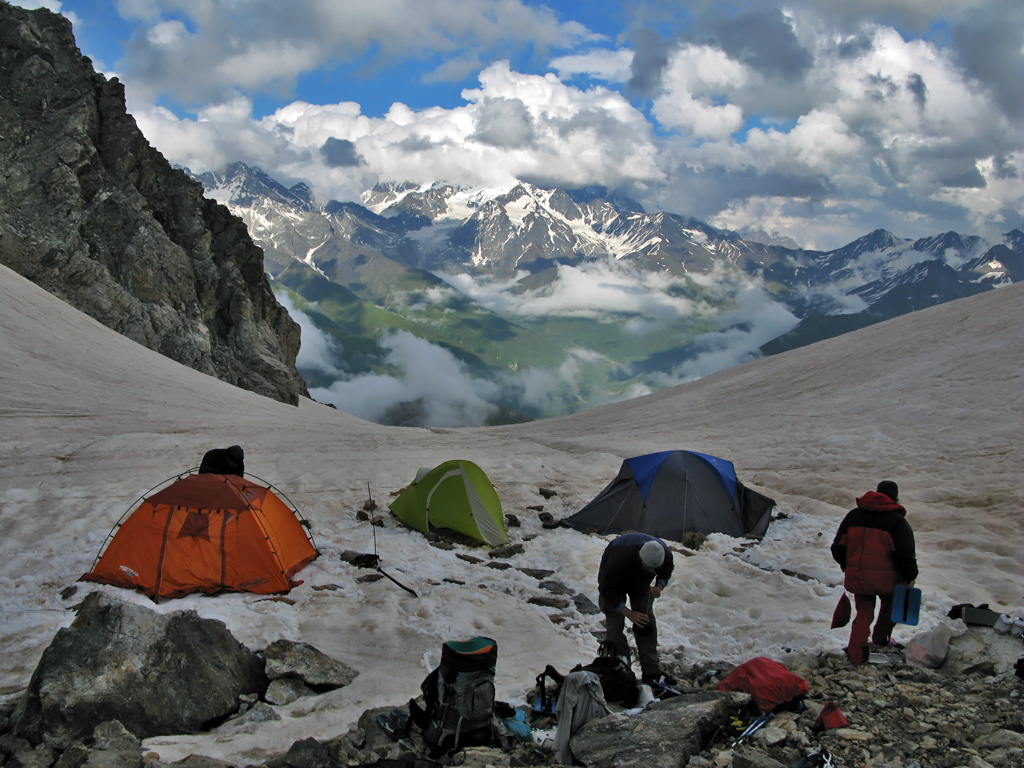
x: 672, y: 493
x: 455, y: 495
x: 207, y: 533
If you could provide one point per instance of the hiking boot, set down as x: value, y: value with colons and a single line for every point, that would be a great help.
x: 1017, y: 630
x: 660, y: 678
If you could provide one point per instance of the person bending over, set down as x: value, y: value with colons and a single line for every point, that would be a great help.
x: 629, y: 565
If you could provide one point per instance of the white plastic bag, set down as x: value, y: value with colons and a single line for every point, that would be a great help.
x: 930, y: 648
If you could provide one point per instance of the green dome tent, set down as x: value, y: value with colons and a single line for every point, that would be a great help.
x: 456, y: 495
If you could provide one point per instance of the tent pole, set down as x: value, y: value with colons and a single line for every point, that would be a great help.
x: 373, y: 526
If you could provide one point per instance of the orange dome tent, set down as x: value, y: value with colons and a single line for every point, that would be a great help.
x: 207, y: 533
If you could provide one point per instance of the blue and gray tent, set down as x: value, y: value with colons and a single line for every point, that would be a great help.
x: 672, y: 493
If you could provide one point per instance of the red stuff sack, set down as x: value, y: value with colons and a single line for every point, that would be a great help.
x: 841, y: 615
x: 770, y: 683
x: 830, y: 717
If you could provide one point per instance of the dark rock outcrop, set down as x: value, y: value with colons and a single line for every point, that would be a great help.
x: 92, y: 213
x: 156, y: 674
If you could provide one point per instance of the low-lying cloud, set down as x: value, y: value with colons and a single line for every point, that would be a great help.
x: 424, y: 384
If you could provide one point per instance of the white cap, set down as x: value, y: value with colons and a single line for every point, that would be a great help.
x: 652, y: 555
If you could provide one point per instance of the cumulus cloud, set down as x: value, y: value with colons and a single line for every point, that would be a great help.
x: 841, y: 117
x: 514, y: 126
x: 429, y: 381
x: 318, y: 352
x: 756, y: 320
x: 428, y: 386
x: 504, y: 123
x: 267, y: 46
x: 595, y: 290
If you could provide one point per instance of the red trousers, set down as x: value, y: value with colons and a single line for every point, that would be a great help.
x: 861, y: 627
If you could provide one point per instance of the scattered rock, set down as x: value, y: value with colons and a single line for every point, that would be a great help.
x: 585, y: 605
x: 360, y: 559
x: 277, y: 599
x: 537, y: 573
x: 468, y: 558
x: 286, y: 659
x: 546, y: 517
x: 257, y: 713
x: 694, y: 540
x: 556, y: 587
x: 512, y: 521
x: 285, y: 691
x: 560, y: 603
x: 547, y: 493
x: 507, y: 551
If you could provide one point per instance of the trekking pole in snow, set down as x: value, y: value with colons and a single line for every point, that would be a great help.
x: 372, y: 506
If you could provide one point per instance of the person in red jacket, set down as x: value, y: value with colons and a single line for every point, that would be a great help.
x: 875, y: 548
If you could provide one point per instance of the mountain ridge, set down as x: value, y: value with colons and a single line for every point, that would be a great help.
x: 681, y: 292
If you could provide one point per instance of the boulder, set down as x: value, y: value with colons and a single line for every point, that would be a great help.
x: 289, y: 660
x: 156, y: 674
x: 665, y: 735
x: 982, y: 646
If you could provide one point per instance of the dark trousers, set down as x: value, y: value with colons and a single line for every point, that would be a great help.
x: 646, y: 637
x: 861, y: 627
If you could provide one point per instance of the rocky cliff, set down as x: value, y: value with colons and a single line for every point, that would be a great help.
x: 95, y: 215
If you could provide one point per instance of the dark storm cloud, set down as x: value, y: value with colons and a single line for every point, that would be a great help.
x: 341, y: 153
x: 988, y: 46
x: 650, y: 57
x: 915, y: 84
x: 708, y: 192
x: 765, y: 41
x: 951, y: 164
x: 504, y: 123
x: 1005, y: 168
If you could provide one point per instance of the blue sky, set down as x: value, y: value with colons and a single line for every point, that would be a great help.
x: 820, y: 121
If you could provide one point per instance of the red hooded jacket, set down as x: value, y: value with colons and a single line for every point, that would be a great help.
x: 875, y: 546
